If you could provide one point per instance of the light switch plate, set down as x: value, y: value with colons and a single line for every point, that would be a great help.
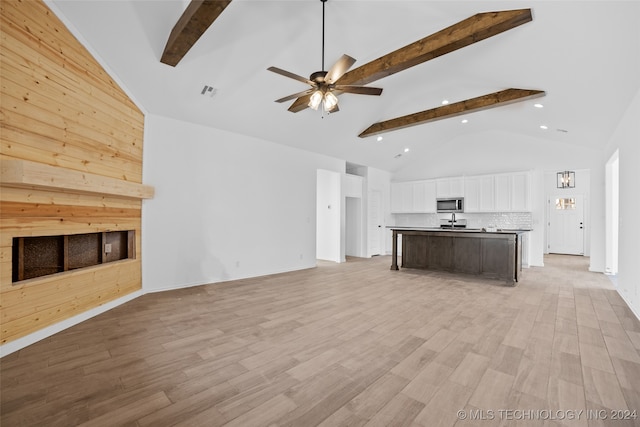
x: 107, y: 248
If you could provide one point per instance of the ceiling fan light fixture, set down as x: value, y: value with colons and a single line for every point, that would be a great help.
x: 330, y: 101
x: 316, y: 99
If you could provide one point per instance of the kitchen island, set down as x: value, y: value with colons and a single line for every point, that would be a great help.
x: 496, y: 254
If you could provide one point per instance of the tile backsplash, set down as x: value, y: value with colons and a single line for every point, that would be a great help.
x: 510, y: 220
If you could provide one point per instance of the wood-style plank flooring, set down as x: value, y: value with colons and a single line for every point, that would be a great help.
x: 349, y: 344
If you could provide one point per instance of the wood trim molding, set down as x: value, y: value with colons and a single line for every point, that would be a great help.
x: 26, y: 174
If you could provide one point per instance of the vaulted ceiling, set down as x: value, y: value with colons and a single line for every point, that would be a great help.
x: 584, y: 54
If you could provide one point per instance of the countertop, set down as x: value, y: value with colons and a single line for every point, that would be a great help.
x: 458, y: 230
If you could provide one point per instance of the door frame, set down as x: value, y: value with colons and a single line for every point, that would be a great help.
x: 375, y: 228
x: 550, y: 203
x: 612, y: 207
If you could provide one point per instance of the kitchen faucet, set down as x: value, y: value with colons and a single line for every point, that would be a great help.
x: 453, y: 219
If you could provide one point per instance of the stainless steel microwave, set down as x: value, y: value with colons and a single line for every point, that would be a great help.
x: 452, y: 204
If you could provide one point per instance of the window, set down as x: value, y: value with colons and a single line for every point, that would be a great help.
x: 565, y: 204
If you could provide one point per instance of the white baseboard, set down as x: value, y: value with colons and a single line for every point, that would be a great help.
x: 230, y: 279
x: 46, y: 332
x: 628, y: 304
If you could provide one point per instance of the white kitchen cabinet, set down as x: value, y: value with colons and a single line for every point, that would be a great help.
x: 401, y: 197
x: 503, y: 193
x: 413, y: 197
x: 479, y: 193
x: 396, y: 197
x: 521, y: 192
x: 424, y: 196
x: 513, y: 192
x: 506, y: 192
x: 450, y: 187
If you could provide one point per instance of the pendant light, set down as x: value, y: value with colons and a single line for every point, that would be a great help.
x: 566, y: 179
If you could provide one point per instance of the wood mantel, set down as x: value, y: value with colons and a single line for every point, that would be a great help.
x: 33, y: 175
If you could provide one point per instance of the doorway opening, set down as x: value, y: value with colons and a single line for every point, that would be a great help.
x: 612, y: 206
x: 353, y: 227
x: 375, y: 221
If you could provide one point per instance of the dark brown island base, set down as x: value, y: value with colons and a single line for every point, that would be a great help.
x: 495, y: 255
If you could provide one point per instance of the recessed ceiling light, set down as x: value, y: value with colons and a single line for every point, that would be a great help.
x: 464, y: 121
x: 445, y: 101
x: 379, y: 138
x: 406, y: 150
x: 538, y: 105
x: 543, y: 127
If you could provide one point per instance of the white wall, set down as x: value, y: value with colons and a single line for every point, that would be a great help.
x: 626, y: 139
x: 226, y: 206
x: 499, y: 151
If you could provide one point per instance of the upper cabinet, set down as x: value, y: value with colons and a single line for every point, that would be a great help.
x: 506, y: 192
x: 413, y: 197
x: 513, y: 192
x: 479, y: 193
x: 450, y: 187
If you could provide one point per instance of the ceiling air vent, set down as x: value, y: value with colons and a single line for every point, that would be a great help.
x: 209, y: 91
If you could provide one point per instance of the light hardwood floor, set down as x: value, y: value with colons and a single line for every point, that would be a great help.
x: 343, y: 344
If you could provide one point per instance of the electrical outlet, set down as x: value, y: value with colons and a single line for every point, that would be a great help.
x: 107, y: 248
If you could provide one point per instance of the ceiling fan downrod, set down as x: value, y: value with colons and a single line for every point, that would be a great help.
x: 323, y: 2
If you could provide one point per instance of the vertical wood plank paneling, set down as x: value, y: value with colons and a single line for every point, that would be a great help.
x: 59, y: 107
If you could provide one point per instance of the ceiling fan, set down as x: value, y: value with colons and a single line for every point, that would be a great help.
x: 325, y: 85
x: 461, y: 34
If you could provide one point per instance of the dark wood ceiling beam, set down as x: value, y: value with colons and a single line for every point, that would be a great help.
x: 464, y: 33
x: 484, y: 102
x: 195, y: 20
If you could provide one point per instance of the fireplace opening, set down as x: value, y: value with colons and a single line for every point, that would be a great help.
x: 45, y: 255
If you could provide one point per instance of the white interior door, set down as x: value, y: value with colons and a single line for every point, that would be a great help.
x: 566, y: 225
x: 375, y: 223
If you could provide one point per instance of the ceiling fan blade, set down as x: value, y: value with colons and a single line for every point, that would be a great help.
x: 300, y: 104
x: 360, y: 90
x: 296, y: 95
x: 339, y: 68
x: 291, y: 75
x: 196, y: 18
x: 483, y: 102
x: 471, y: 30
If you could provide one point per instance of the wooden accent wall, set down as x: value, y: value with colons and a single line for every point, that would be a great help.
x: 60, y: 109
